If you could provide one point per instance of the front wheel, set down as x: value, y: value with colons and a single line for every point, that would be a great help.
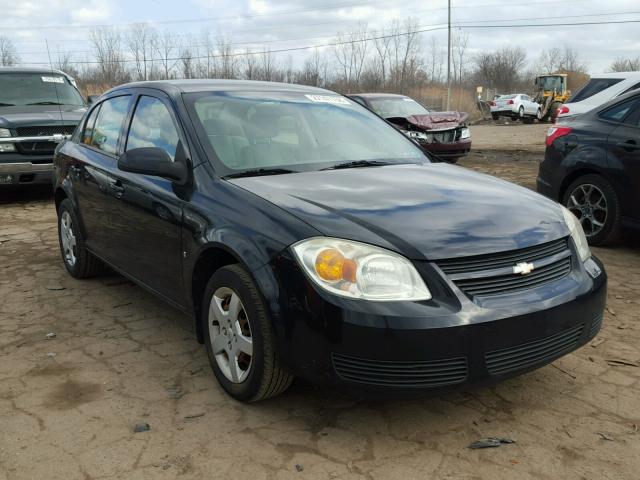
x: 594, y: 202
x: 239, y: 337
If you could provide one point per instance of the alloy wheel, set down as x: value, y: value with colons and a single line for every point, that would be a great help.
x: 588, y: 203
x: 230, y: 335
x: 68, y: 239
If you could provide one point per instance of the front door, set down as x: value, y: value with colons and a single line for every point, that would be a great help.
x: 147, y: 210
x: 89, y: 170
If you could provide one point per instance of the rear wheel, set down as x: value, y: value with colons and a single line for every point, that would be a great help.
x: 594, y: 202
x: 239, y: 337
x: 521, y: 113
x: 79, y: 262
x: 495, y: 116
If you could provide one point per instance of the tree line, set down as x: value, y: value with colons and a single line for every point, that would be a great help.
x: 397, y: 58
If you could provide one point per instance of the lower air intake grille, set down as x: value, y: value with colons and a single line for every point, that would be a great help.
x: 529, y: 354
x: 36, y: 148
x: 424, y: 374
x: 596, y: 324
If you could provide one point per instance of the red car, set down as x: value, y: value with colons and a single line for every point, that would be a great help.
x: 445, y: 135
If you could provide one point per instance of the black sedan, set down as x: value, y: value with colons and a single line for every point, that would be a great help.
x: 308, y: 237
x: 592, y: 166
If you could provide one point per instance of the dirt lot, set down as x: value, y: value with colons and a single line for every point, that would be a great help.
x: 68, y: 404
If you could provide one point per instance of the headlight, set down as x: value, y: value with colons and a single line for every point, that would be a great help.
x: 417, y: 135
x: 5, y: 132
x: 357, y: 270
x: 466, y: 133
x: 577, y: 233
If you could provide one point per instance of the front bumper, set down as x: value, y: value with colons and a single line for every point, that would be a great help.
x: 457, y: 149
x: 26, y: 171
x: 422, y: 347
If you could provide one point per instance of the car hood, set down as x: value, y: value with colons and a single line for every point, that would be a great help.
x: 432, y: 121
x: 430, y: 211
x: 30, y: 115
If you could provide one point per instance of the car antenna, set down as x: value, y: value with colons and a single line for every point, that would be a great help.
x: 55, y: 86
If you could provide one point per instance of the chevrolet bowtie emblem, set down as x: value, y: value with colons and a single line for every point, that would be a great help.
x: 523, y: 268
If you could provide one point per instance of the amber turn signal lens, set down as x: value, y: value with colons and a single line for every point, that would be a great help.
x: 332, y: 266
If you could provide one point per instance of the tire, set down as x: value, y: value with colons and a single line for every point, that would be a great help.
x: 521, y: 113
x: 495, y: 116
x: 528, y: 120
x: 257, y: 376
x: 452, y: 159
x: 552, y: 111
x: 79, y: 262
x: 539, y: 115
x: 598, y: 186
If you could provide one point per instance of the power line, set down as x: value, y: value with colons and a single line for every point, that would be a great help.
x: 69, y: 26
x: 283, y: 40
x: 332, y: 44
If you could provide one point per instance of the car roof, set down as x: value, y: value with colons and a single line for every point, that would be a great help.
x: 617, y: 75
x: 177, y: 87
x: 31, y: 70
x: 377, y: 95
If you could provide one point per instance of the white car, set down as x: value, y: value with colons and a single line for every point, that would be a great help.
x: 598, y: 91
x: 517, y: 106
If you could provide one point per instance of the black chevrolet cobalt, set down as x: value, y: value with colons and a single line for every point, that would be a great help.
x: 308, y: 237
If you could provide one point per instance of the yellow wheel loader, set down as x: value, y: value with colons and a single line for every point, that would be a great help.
x: 551, y: 93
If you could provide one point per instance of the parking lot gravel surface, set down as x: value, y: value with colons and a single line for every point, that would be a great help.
x: 99, y: 379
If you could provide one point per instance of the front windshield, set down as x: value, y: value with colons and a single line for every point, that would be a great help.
x: 397, y: 107
x: 37, y: 89
x: 294, y: 131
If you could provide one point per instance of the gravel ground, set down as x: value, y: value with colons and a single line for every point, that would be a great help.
x: 69, y: 404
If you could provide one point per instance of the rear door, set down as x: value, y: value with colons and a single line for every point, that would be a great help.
x: 623, y: 152
x: 147, y: 210
x: 89, y: 168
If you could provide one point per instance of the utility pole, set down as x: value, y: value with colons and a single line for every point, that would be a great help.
x: 449, y: 61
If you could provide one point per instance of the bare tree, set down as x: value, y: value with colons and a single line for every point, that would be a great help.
x: 250, y: 65
x: 227, y: 60
x: 267, y: 65
x: 404, y: 55
x: 187, y: 63
x: 8, y: 54
x: 501, y: 69
x: 166, y: 48
x: 436, y: 61
x: 381, y: 45
x: 111, y: 63
x: 350, y: 53
x: 142, y: 43
x: 625, y: 65
x: 460, y: 44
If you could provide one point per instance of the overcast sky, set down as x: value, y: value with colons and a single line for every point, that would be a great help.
x: 280, y: 24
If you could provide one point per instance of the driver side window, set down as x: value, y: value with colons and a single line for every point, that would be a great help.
x: 152, y: 126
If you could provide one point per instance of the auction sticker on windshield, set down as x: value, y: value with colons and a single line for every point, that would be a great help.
x: 53, y: 79
x: 334, y: 99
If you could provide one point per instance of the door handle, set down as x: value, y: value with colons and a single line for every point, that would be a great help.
x: 629, y: 145
x: 117, y: 188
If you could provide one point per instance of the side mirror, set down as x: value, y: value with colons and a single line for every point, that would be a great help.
x: 91, y: 99
x: 153, y: 161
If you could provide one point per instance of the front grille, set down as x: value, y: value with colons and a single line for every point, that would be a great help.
x: 596, y: 324
x: 36, y: 148
x: 419, y: 374
x: 552, y: 262
x: 45, y: 131
x: 530, y: 354
x: 448, y: 136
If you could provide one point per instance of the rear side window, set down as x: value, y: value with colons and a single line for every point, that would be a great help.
x: 152, y: 126
x: 88, y: 128
x: 621, y: 111
x: 595, y: 85
x: 109, y: 123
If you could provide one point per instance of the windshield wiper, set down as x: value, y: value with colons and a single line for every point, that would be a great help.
x: 2, y: 104
x: 45, y: 103
x: 358, y: 164
x: 256, y: 172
